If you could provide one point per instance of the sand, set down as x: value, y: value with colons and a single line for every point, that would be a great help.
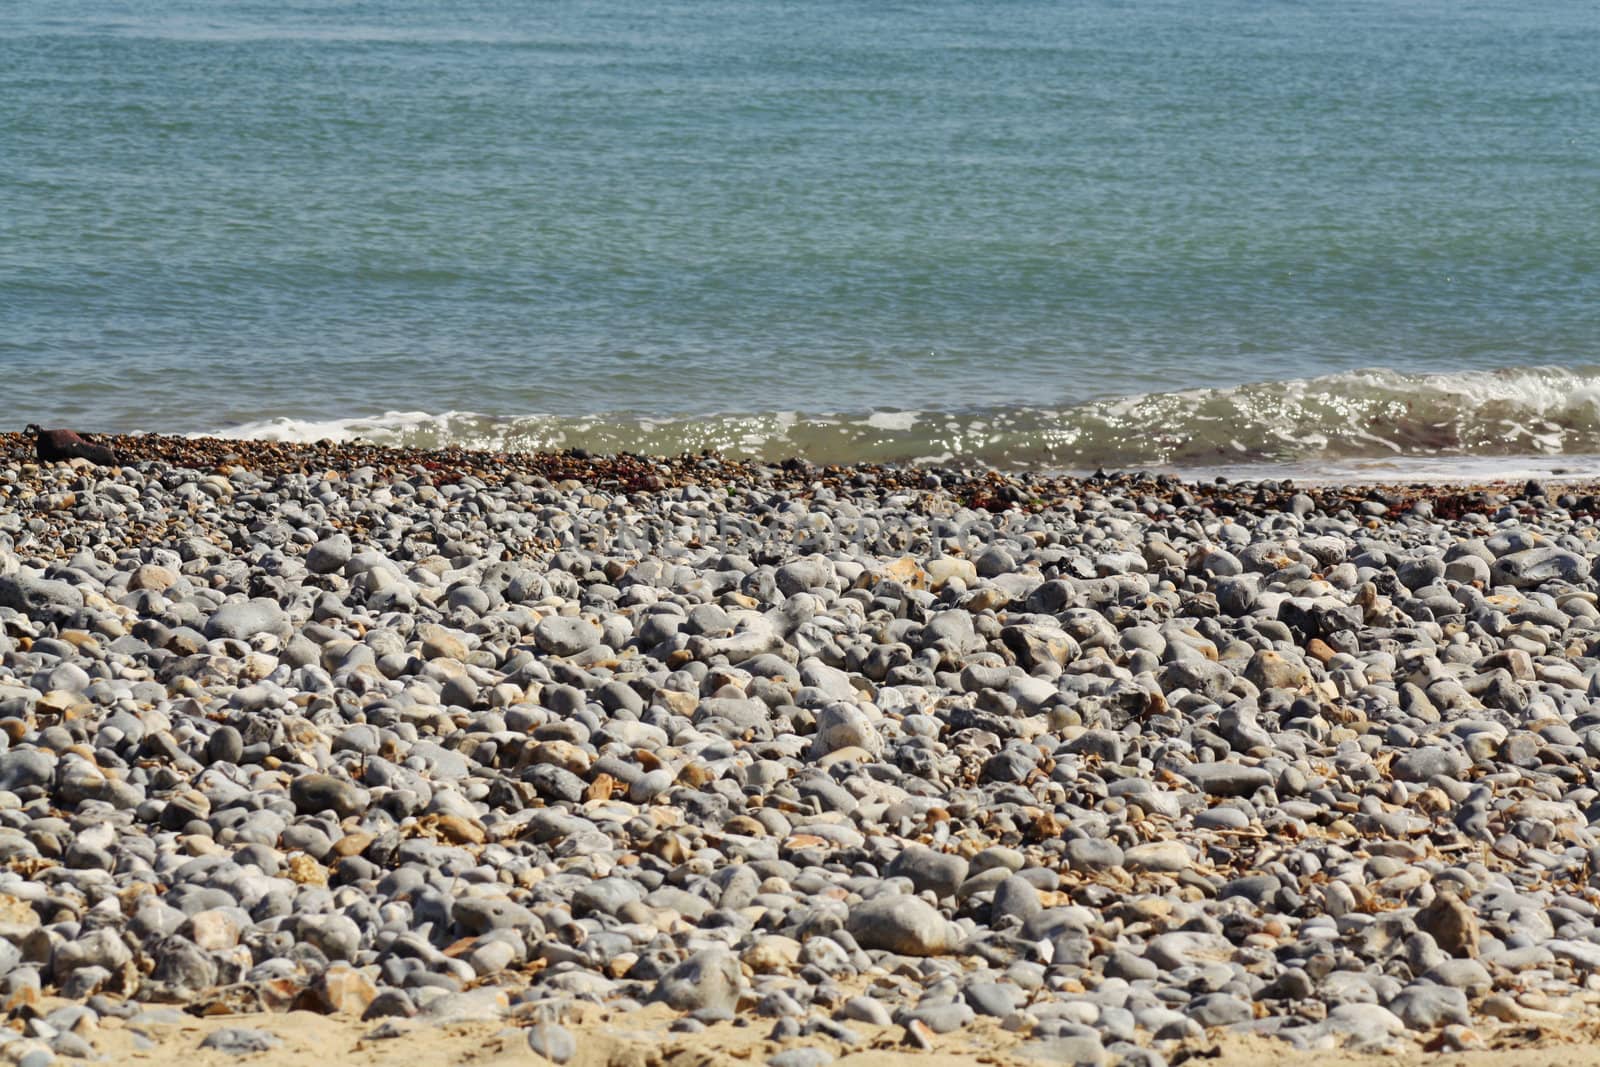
x: 642, y: 1039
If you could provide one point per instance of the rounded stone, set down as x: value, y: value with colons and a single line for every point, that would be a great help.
x: 908, y: 926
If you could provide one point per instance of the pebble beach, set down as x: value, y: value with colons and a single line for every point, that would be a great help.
x: 508, y: 757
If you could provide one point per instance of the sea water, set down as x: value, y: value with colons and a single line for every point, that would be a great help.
x: 1240, y: 233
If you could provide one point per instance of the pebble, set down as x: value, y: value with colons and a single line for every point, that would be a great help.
x: 1427, y: 1006
x: 942, y: 1018
x: 240, y: 1041
x: 1077, y: 1050
x: 1108, y: 761
x: 709, y: 980
x: 908, y: 926
x: 937, y: 872
x: 552, y: 1041
x: 800, y: 1057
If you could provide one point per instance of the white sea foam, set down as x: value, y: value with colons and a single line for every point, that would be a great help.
x: 891, y: 420
x: 1492, y: 418
x: 341, y: 431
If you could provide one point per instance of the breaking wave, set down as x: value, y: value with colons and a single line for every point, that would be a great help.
x: 1342, y: 420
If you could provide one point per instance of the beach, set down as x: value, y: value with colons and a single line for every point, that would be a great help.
x: 799, y: 534
x: 636, y: 760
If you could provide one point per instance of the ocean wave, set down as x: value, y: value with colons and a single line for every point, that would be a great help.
x: 1347, y: 420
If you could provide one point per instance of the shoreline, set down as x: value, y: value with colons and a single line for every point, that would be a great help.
x: 1357, y: 425
x: 1381, y: 472
x: 1015, y: 767
x: 646, y: 472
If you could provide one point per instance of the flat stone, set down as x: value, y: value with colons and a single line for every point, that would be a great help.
x: 800, y: 1057
x: 1079, y: 1051
x: 996, y: 999
x: 943, y: 1018
x: 240, y: 1041
x: 31, y: 595
x: 1163, y: 857
x: 245, y: 619
x: 1584, y: 953
x: 1094, y: 854
x: 1421, y: 764
x: 1227, y: 779
x: 1425, y: 1006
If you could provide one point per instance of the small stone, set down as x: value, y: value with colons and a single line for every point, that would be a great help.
x: 1455, y: 1038
x: 342, y: 988
x: 23, y: 768
x: 560, y: 635
x: 552, y: 1041
x: 303, y: 870
x: 29, y: 1054
x: 329, y: 555
x: 772, y: 953
x: 1534, y: 567
x: 1271, y: 670
x: 1077, y: 1050
x: 863, y: 1009
x: 993, y: 998
x: 152, y: 576
x: 909, y: 926
x: 1218, y: 1009
x: 943, y: 1018
x: 1094, y: 854
x: 314, y: 793
x: 242, y: 620
x: 213, y: 930
x: 939, y: 872
x: 841, y: 726
x: 238, y: 1041
x: 917, y: 1035
x: 225, y: 745
x: 1167, y: 857
x: 1421, y: 764
x: 800, y: 1057
x: 1015, y: 897
x: 1425, y: 1006
x: 709, y: 979
x: 390, y: 1003
x: 1467, y: 975
x: 390, y: 1029
x: 1452, y: 924
x: 439, y: 643
x: 1227, y: 779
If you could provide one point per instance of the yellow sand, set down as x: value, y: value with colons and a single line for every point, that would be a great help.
x: 642, y: 1039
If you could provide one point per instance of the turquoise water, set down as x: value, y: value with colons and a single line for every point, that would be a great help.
x: 1050, y: 233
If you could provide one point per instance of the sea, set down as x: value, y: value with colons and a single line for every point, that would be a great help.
x: 1355, y: 239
